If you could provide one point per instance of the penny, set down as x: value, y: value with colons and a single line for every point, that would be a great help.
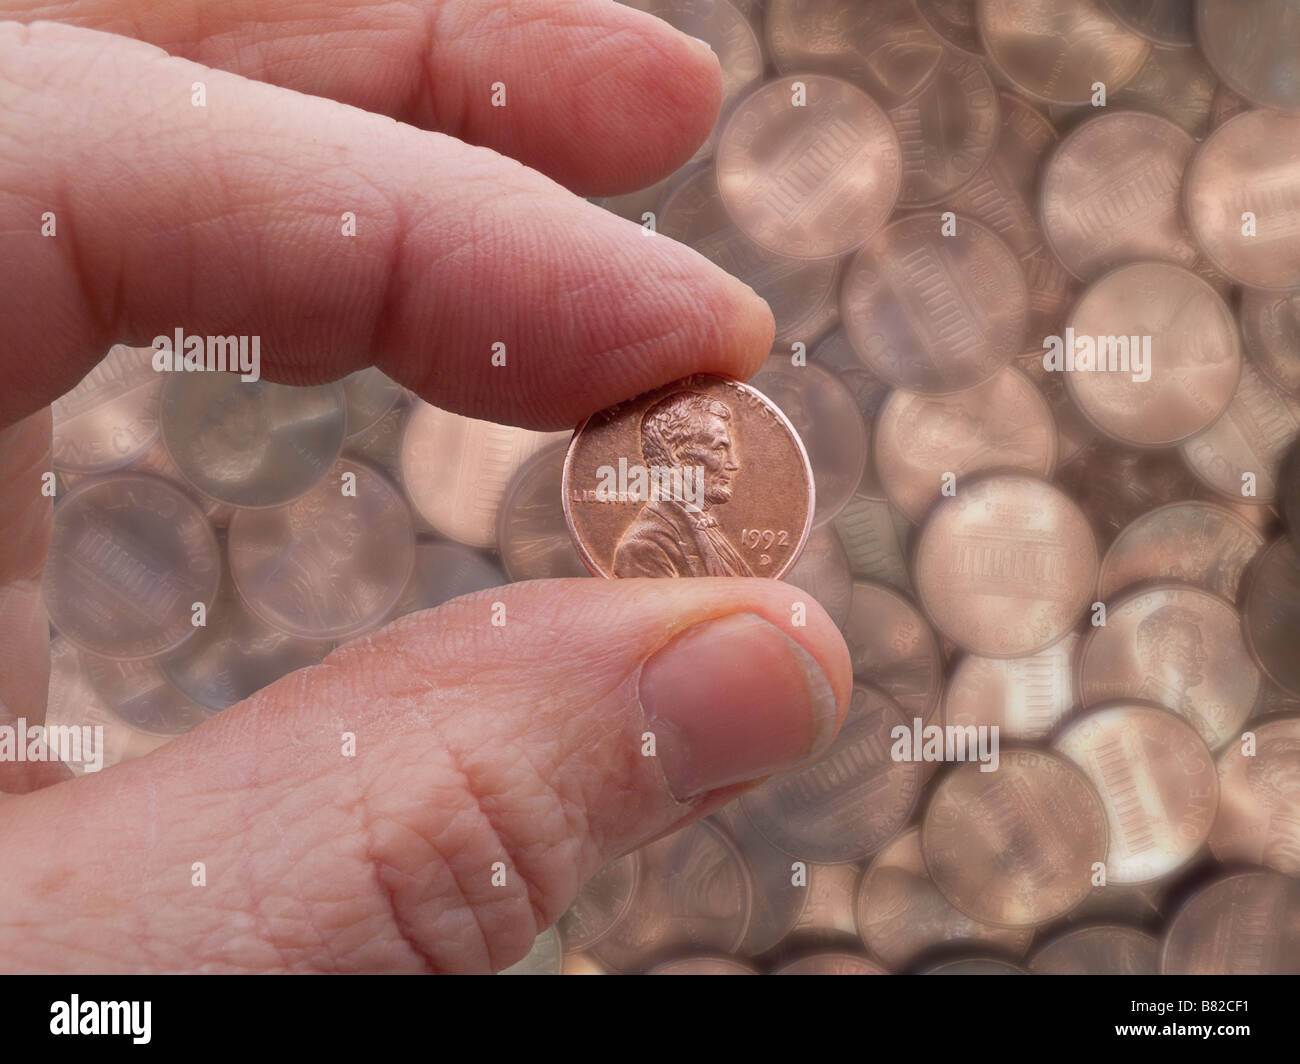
x: 1024, y: 698
x: 1196, y: 543
x: 158, y: 462
x: 1250, y: 163
x: 1177, y: 646
x: 1259, y: 799
x: 1110, y: 190
x: 883, y: 47
x: 1015, y: 847
x: 701, y: 477
x: 368, y: 394
x: 1270, y: 334
x: 832, y: 964
x: 1226, y: 104
x: 1253, y: 48
x: 1271, y: 613
x: 1007, y: 566
x: 1107, y: 949
x: 922, y: 439
x: 827, y: 919
x: 934, y: 313
x: 954, y: 21
x: 1052, y: 294
x: 976, y: 966
x: 703, y: 965
x: 443, y: 571
x: 809, y: 170
x: 871, y: 540
x: 1245, y: 446
x: 251, y: 443
x: 823, y: 571
x: 1174, y: 83
x: 1054, y: 50
x: 779, y: 900
x: 693, y: 895
x: 849, y: 802
x: 601, y: 903
x: 139, y: 693
x: 828, y: 420
x: 1157, y: 782
x: 1190, y: 351
x: 1073, y: 433
x: 1003, y: 194
x: 531, y: 533
x: 328, y: 565
x: 1165, y: 22
x: 545, y: 958
x: 456, y: 470
x: 111, y: 416
x: 902, y: 917
x: 1242, y: 924
x: 129, y: 557
x: 836, y: 354
x: 947, y: 132
x: 381, y: 444
x: 893, y: 649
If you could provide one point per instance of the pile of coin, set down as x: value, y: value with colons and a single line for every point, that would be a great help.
x: 1103, y: 565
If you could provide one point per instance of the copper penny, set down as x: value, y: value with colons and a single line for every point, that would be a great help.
x: 827, y: 919
x: 1242, y: 924
x: 1157, y: 782
x: 706, y: 964
x: 835, y: 353
x: 1003, y: 423
x: 1110, y: 193
x: 874, y: 543
x: 934, y: 313
x: 1054, y: 50
x: 111, y: 416
x: 779, y: 902
x: 1190, y: 350
x: 823, y: 571
x: 1271, y: 614
x: 1025, y: 698
x: 1270, y: 333
x: 809, y: 166
x: 1015, y: 847
x: 1176, y: 84
x: 1106, y: 949
x: 1253, y: 48
x: 1250, y: 163
x: 1259, y: 800
x: 954, y: 21
x: 894, y: 649
x: 701, y: 477
x: 1189, y: 542
x: 832, y: 964
x: 531, y: 532
x: 1007, y: 566
x: 1165, y: 22
x: 1073, y: 433
x: 1177, y: 646
x: 601, y: 903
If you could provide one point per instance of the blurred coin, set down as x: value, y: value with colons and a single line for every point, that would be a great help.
x: 545, y: 958
x: 1271, y: 613
x: 836, y: 354
x: 1055, y: 50
x: 444, y: 571
x: 894, y: 649
x: 849, y: 802
x: 1073, y: 433
x: 368, y: 394
x: 327, y: 565
x: 1259, y: 803
x: 129, y: 557
x: 1007, y: 566
x: 1242, y: 924
x: 531, y: 532
x: 601, y: 903
x: 381, y: 443
x: 1107, y: 949
x: 157, y: 460
x: 812, y: 180
x: 1270, y: 334
x: 251, y: 443
x: 1156, y: 780
x: 1190, y: 542
x: 140, y: 694
x: 705, y: 964
x: 827, y: 920
x: 779, y: 901
x: 976, y: 966
x: 1174, y: 83
x: 871, y: 541
x: 701, y: 477
x: 1025, y: 698
x: 1165, y: 22
x: 832, y: 964
x: 931, y: 313
x: 823, y: 571
x: 1014, y: 847
x: 954, y: 21
x: 1253, y: 48
x: 1251, y: 162
x: 1003, y: 423
x: 1178, y: 646
x: 111, y: 416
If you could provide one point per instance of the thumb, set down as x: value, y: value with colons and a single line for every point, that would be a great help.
x: 498, y: 758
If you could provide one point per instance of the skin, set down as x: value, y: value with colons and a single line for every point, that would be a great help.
x: 474, y: 743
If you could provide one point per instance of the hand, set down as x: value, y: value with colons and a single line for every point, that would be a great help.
x: 475, y: 744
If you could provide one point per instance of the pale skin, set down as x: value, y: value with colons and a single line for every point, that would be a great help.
x: 475, y: 744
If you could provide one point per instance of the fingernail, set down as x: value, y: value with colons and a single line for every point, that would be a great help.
x: 734, y: 699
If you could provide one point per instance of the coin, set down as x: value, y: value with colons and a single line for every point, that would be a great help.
x: 1015, y: 847
x: 935, y: 313
x: 701, y: 477
x: 1242, y: 924
x: 884, y: 47
x: 456, y: 470
x: 1003, y: 423
x: 893, y: 649
x: 872, y: 542
x: 705, y: 964
x: 1250, y: 163
x: 328, y: 565
x: 1073, y: 433
x: 545, y: 958
x: 1007, y: 566
x: 1164, y: 22
x: 1055, y: 50
x: 138, y: 693
x: 1157, y: 782
x: 251, y: 443
x: 601, y: 903
x: 976, y: 966
x: 531, y: 533
x: 1024, y: 698
x: 849, y: 802
x: 1189, y: 542
x: 1259, y: 804
x: 1253, y: 48
x: 1107, y: 949
x: 129, y: 557
x: 1174, y: 83
x: 368, y: 394
x: 1109, y: 193
x: 832, y: 964
x: 954, y: 21
x: 1179, y: 647
x: 1270, y: 334
x: 443, y: 571
x: 779, y: 898
x: 836, y: 354
x: 903, y: 918
x: 823, y: 571
x: 381, y: 444
x: 111, y: 416
x: 827, y: 919
x: 1271, y: 613
x: 811, y: 179
x: 1191, y: 353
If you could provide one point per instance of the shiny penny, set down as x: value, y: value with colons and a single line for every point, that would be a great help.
x: 1106, y: 949
x: 1253, y: 48
x: 1271, y: 612
x: 1259, y: 800
x: 531, y: 532
x: 1241, y: 924
x: 1025, y: 698
x: 893, y: 648
x: 111, y: 416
